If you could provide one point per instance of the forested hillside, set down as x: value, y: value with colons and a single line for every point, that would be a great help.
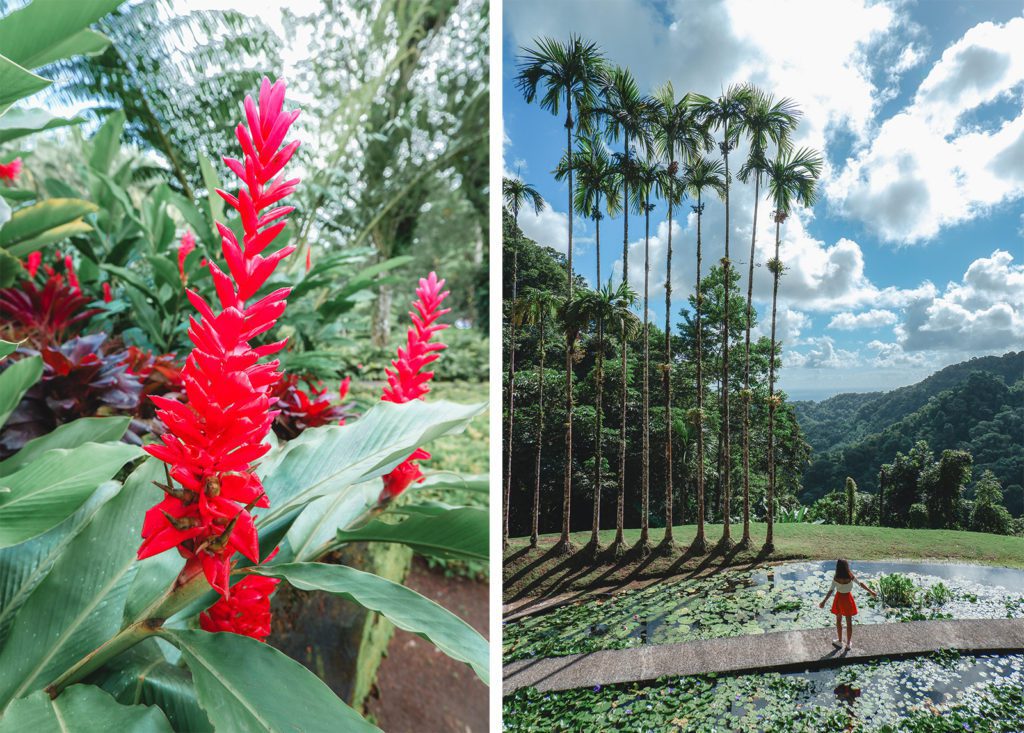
x: 976, y: 406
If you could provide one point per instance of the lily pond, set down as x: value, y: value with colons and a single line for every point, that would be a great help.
x: 944, y: 692
x: 771, y: 598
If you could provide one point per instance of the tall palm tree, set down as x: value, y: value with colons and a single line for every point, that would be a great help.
x: 648, y: 173
x: 765, y: 121
x: 536, y: 307
x: 726, y: 114
x: 596, y: 180
x: 609, y: 305
x: 792, y: 179
x: 567, y: 72
x: 626, y: 113
x: 676, y: 130
x: 700, y: 175
x: 516, y: 194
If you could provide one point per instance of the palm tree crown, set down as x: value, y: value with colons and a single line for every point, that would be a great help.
x: 560, y: 72
x: 517, y: 194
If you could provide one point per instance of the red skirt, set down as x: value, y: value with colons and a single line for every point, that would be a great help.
x: 844, y: 605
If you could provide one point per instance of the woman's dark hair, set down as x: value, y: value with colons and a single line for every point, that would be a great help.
x: 843, y: 570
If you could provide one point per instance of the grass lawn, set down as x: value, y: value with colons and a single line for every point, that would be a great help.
x: 539, y: 572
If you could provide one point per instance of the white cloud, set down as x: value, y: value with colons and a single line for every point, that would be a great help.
x: 822, y: 354
x: 924, y: 171
x: 873, y: 318
x: 982, y: 313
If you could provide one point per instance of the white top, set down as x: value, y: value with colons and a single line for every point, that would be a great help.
x: 842, y: 587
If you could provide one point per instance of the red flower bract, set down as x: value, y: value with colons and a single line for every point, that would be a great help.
x: 407, y: 379
x: 212, y: 440
x: 188, y: 243
x: 246, y: 612
x: 10, y: 171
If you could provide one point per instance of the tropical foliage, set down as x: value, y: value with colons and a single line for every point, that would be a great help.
x: 139, y: 314
x: 669, y: 416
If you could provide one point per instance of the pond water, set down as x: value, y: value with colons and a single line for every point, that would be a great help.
x: 968, y: 692
x: 771, y: 598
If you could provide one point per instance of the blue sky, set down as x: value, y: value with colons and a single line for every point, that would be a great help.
x: 914, y: 257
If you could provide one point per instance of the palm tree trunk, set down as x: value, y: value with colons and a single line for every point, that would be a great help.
x: 727, y: 460
x: 769, y: 542
x: 645, y: 479
x: 699, y: 545
x: 620, y: 542
x: 747, y: 396
x: 511, y: 386
x: 667, y: 379
x: 594, y: 538
x: 564, y: 544
x: 540, y: 442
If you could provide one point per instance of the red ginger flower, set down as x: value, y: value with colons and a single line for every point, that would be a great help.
x: 246, y: 612
x: 10, y: 171
x: 188, y: 243
x: 408, y: 381
x: 32, y: 263
x: 212, y: 440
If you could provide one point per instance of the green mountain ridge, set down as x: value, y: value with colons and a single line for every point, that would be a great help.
x: 977, y: 405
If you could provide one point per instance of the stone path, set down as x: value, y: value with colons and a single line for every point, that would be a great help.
x: 775, y: 651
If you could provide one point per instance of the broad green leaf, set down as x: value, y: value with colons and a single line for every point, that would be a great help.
x: 247, y: 686
x: 86, y: 42
x: 8, y: 347
x: 445, y: 480
x: 26, y: 247
x: 5, y: 208
x: 329, y: 459
x: 402, y: 606
x: 24, y: 566
x: 459, y: 533
x: 130, y: 278
x: 15, y: 381
x: 17, y: 82
x: 70, y: 435
x: 17, y: 194
x: 144, y: 675
x: 10, y: 266
x: 107, y: 142
x: 318, y: 523
x: 214, y: 203
x: 33, y: 221
x: 81, y: 709
x: 18, y: 123
x: 78, y: 606
x: 47, y: 30
x: 49, y: 489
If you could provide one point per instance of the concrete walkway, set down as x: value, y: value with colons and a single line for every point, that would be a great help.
x: 776, y: 651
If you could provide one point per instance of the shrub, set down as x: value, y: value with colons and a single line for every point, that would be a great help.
x: 897, y: 590
x: 989, y: 514
x: 917, y: 518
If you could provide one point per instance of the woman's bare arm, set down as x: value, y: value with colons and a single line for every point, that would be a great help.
x: 866, y: 588
x: 827, y: 596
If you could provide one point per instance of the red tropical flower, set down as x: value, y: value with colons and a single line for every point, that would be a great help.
x: 107, y: 295
x: 188, y: 243
x: 33, y: 262
x: 298, y: 409
x: 408, y: 380
x: 45, y: 314
x: 246, y: 612
x: 69, y: 269
x: 212, y: 440
x: 9, y: 172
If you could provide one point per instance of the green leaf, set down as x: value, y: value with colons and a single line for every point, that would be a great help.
x: 47, y: 30
x: 315, y: 527
x: 17, y: 194
x: 327, y: 460
x: 69, y: 435
x: 444, y: 480
x: 143, y: 674
x: 17, y: 82
x: 214, y: 203
x: 49, y: 489
x: 49, y: 237
x: 24, y: 566
x: 402, y: 606
x: 8, y: 347
x: 9, y: 267
x: 81, y: 709
x: 33, y: 221
x: 15, y: 381
x: 459, y: 533
x: 107, y: 142
x: 236, y: 678
x: 78, y: 605
x: 18, y: 123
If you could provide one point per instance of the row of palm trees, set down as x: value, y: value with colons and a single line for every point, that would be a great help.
x: 666, y: 144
